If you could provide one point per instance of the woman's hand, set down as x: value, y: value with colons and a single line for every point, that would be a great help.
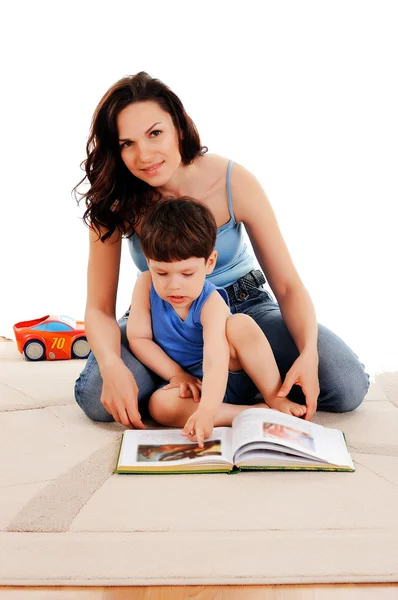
x: 304, y: 372
x: 199, y: 426
x: 120, y: 394
x: 188, y: 384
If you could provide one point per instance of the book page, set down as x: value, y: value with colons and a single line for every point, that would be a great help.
x: 279, y: 430
x: 265, y: 447
x: 167, y: 447
x: 270, y: 458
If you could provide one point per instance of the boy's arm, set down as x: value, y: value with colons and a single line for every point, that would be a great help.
x: 215, y: 352
x: 139, y: 332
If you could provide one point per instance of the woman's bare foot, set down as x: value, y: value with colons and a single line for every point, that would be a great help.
x: 286, y: 406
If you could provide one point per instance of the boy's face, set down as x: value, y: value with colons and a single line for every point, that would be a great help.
x: 181, y: 282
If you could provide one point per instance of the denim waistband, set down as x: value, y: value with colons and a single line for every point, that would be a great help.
x: 253, y: 279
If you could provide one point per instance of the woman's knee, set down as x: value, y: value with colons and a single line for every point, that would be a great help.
x: 343, y: 380
x: 91, y: 405
x: 88, y: 389
x: 350, y: 392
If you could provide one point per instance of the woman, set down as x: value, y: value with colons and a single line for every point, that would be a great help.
x: 143, y: 147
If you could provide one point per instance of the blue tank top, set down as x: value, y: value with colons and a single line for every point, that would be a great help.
x: 181, y: 340
x: 233, y: 260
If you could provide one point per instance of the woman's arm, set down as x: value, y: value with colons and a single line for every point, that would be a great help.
x: 119, y: 394
x: 254, y: 210
x: 252, y: 207
x: 102, y: 330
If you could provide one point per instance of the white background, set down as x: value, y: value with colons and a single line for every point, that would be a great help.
x: 303, y: 94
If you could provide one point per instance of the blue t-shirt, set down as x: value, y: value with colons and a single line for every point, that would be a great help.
x: 181, y: 340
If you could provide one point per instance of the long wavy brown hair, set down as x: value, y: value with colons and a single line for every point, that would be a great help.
x: 116, y: 198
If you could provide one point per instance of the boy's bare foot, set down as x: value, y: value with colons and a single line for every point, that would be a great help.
x: 285, y: 406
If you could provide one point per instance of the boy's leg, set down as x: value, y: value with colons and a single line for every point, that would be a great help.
x: 343, y: 380
x: 250, y: 348
x: 167, y: 408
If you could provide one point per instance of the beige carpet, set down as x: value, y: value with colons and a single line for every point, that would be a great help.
x: 66, y: 519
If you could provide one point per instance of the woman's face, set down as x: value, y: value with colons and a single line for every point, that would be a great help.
x: 148, y: 142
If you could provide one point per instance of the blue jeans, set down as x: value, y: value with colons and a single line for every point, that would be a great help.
x: 343, y: 381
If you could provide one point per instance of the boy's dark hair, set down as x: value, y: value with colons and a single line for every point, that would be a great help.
x: 178, y: 229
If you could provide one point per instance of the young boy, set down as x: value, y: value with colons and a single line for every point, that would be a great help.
x: 180, y: 327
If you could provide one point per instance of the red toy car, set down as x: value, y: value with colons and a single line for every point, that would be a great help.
x: 52, y: 337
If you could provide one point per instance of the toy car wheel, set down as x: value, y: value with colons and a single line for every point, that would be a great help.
x: 34, y: 350
x: 80, y: 348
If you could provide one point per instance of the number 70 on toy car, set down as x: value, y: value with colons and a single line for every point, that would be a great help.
x: 51, y: 337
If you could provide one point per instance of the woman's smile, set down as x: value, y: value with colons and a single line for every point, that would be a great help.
x: 154, y: 169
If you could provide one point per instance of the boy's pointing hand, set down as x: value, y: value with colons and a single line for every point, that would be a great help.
x: 199, y: 426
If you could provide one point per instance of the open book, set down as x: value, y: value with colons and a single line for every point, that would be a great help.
x: 260, y: 438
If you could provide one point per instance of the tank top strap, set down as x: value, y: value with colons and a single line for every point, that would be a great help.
x: 231, y: 210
